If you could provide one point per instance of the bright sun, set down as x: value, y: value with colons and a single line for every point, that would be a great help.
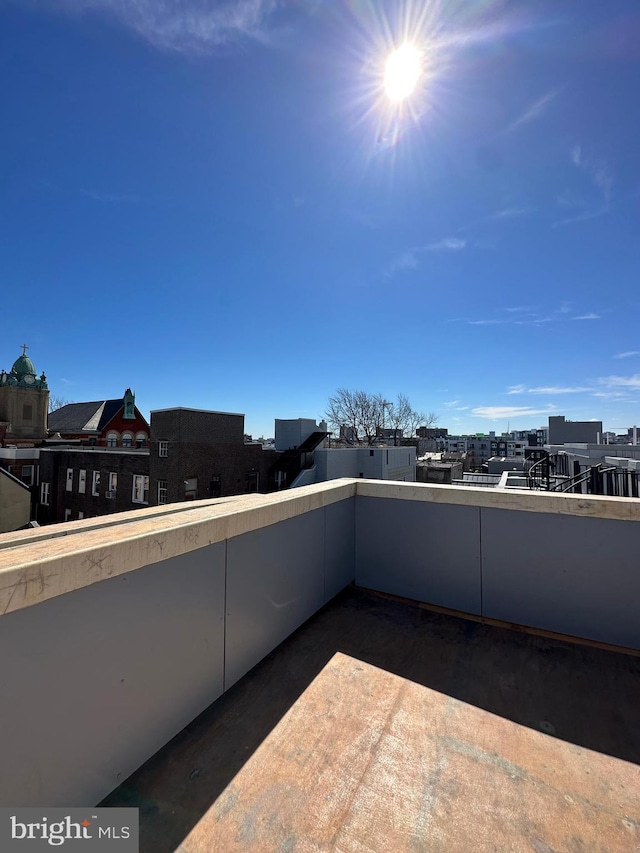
x: 402, y: 72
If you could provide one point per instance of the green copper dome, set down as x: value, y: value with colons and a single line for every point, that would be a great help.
x: 23, y: 366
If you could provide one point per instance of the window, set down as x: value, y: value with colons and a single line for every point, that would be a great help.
x: 112, y: 439
x: 141, y: 438
x: 67, y: 514
x: 113, y: 481
x: 82, y: 481
x: 95, y: 483
x: 140, y: 493
x: 81, y: 514
x: 27, y: 475
x: 162, y: 492
x: 127, y: 439
x: 27, y: 412
x: 44, y: 494
x: 69, y: 479
x: 163, y: 448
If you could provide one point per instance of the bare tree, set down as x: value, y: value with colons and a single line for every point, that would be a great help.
x: 360, y: 416
x: 405, y: 420
x: 356, y: 415
x: 56, y: 402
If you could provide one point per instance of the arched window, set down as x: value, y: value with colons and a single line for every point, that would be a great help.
x: 127, y: 439
x: 141, y: 439
x: 112, y: 439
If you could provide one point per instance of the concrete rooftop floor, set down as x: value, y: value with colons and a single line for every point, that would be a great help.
x: 474, y: 737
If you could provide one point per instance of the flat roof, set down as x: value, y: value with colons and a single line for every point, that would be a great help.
x: 383, y: 725
x: 137, y: 451
x: 202, y: 411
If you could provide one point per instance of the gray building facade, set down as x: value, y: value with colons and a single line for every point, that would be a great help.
x: 562, y: 431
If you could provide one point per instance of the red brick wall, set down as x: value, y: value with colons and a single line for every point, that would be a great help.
x: 120, y: 425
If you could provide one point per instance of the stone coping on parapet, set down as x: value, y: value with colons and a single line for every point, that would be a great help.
x: 517, y: 500
x: 37, y: 565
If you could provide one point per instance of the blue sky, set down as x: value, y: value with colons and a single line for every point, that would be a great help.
x: 217, y: 205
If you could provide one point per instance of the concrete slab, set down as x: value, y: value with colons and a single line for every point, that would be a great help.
x: 368, y: 761
x: 454, y: 722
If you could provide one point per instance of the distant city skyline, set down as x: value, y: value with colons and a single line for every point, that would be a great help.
x: 220, y: 206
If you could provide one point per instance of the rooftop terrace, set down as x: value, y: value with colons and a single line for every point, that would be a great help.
x: 361, y: 722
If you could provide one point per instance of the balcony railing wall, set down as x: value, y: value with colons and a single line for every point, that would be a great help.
x: 116, y: 635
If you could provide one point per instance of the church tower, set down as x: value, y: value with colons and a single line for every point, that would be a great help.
x: 24, y: 402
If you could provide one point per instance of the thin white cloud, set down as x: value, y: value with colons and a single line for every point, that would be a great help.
x: 110, y: 198
x: 570, y: 200
x: 410, y: 259
x: 495, y: 413
x: 627, y: 354
x: 600, y: 173
x: 622, y: 381
x: 549, y: 389
x: 452, y: 403
x: 510, y: 213
x: 559, y: 389
x: 535, y: 111
x: 590, y: 316
x: 449, y: 244
x: 407, y: 261
x: 618, y: 396
x: 186, y: 26
x: 582, y: 217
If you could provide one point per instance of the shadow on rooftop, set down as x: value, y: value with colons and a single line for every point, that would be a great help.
x: 584, y: 695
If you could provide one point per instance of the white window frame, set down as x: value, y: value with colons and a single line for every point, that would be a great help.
x: 162, y: 492
x: 95, y: 483
x: 140, y: 489
x: 141, y: 439
x: 163, y: 448
x: 32, y: 479
x: 127, y: 439
x: 113, y: 481
x: 112, y: 439
x: 69, y: 479
x: 80, y: 514
x: 44, y: 493
x: 67, y: 515
x: 82, y: 481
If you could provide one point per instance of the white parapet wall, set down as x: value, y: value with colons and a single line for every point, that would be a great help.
x: 115, y: 633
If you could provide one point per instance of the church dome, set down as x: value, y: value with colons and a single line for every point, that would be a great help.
x: 23, y: 366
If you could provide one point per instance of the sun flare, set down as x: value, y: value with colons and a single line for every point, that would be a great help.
x: 402, y: 72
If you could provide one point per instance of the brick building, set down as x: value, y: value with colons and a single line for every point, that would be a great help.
x: 102, y: 423
x: 83, y: 482
x: 198, y: 454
